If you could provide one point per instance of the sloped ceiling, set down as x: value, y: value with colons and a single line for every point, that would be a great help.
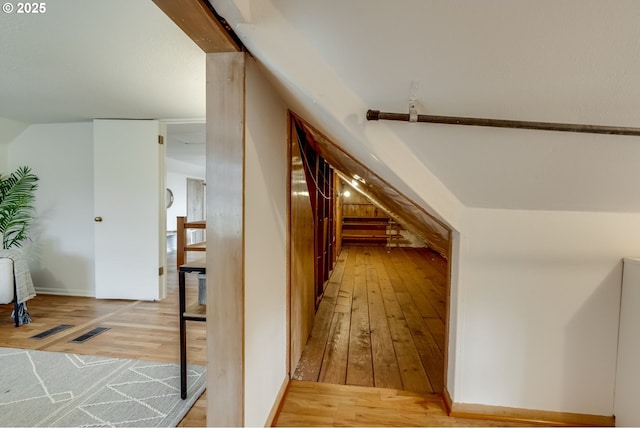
x: 573, y: 61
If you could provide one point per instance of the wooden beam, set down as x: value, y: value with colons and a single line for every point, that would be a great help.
x: 199, y: 21
x: 225, y: 238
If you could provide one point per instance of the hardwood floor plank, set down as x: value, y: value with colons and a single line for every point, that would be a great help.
x: 406, y: 269
x: 414, y: 306
x: 337, y: 274
x: 345, y: 405
x: 434, y: 265
x: 430, y: 354
x: 414, y: 376
x: 345, y: 293
x: 311, y: 360
x: 437, y: 329
x: 359, y: 364
x: 429, y: 275
x: 333, y: 367
x: 334, y: 363
x: 385, y: 364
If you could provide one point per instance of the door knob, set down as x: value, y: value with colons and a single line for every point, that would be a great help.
x: 97, y: 219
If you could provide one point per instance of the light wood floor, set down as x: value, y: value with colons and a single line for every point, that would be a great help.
x: 381, y: 322
x: 149, y: 330
x: 137, y: 329
x: 324, y: 404
x: 375, y: 354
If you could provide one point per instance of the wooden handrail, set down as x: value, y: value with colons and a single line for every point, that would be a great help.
x: 181, y: 238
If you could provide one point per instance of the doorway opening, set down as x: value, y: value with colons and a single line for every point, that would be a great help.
x: 375, y: 311
x: 185, y: 179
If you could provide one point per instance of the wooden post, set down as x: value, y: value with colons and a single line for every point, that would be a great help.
x: 225, y: 238
x: 181, y: 240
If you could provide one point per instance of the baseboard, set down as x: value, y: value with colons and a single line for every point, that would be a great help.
x: 527, y: 416
x: 446, y: 397
x: 69, y: 293
x: 277, y: 405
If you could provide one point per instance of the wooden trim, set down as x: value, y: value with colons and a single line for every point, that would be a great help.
x: 272, y: 419
x: 225, y: 235
x: 198, y: 22
x: 446, y: 397
x: 289, y: 252
x: 528, y: 416
x: 447, y: 319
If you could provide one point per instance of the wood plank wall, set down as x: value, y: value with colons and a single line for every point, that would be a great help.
x: 302, y: 258
x: 337, y: 214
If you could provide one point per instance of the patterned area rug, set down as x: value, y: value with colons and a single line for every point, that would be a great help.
x: 56, y: 389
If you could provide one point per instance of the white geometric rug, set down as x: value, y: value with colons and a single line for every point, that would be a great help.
x: 40, y: 388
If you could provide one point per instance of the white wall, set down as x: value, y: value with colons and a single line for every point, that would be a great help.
x: 4, y: 154
x: 265, y: 247
x: 177, y: 174
x: 9, y: 130
x: 538, y: 304
x: 61, y: 155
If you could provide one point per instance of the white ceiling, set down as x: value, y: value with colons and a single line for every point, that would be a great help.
x: 186, y: 142
x: 82, y: 60
x: 98, y: 59
x: 575, y: 61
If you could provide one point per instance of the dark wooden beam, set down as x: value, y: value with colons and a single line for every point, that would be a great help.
x: 202, y: 24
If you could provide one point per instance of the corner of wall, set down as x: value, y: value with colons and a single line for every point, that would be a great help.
x: 4, y: 154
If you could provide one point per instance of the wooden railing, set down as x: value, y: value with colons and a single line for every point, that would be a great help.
x: 181, y: 240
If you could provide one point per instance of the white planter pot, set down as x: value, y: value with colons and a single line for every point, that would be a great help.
x: 6, y: 281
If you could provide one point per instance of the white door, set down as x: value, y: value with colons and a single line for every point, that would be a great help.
x: 127, y: 203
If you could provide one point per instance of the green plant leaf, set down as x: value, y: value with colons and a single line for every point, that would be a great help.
x: 17, y: 196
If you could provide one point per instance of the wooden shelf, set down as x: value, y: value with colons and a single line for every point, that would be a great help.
x: 365, y: 230
x: 370, y: 230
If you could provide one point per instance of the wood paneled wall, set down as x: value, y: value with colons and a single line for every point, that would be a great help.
x: 337, y: 215
x: 356, y: 205
x: 312, y: 234
x: 302, y: 255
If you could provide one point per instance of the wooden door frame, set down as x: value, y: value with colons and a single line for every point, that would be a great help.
x: 447, y: 253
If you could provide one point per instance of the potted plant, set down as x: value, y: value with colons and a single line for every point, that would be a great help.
x: 17, y: 195
x: 17, y: 211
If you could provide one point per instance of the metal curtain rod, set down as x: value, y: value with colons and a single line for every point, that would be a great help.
x: 501, y: 123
